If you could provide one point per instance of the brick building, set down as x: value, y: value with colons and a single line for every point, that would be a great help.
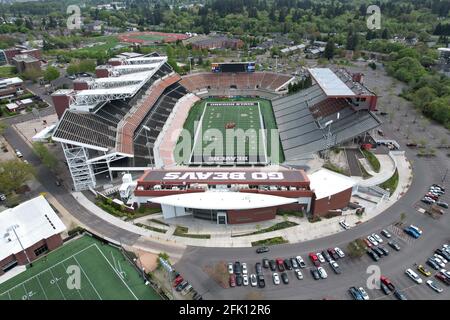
x: 28, y: 231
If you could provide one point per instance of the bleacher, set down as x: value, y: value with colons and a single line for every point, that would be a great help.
x: 254, y: 80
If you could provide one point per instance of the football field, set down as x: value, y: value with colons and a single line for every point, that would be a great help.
x: 83, y: 269
x: 230, y: 132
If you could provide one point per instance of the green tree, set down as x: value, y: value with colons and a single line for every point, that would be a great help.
x: 329, y: 50
x: 47, y: 158
x: 72, y: 69
x: 3, y: 127
x: 14, y: 174
x: 51, y: 74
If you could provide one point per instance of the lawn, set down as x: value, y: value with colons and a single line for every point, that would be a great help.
x: 390, y: 184
x: 105, y: 274
x: 7, y: 72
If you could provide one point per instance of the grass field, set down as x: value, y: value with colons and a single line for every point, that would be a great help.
x: 105, y: 275
x: 214, y: 114
x: 150, y: 37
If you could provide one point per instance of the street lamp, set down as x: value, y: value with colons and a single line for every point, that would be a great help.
x: 13, y: 228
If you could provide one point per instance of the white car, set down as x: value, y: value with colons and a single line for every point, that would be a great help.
x: 344, y: 224
x: 19, y: 154
x: 413, y: 276
x: 298, y: 274
x: 276, y: 278
x: 320, y: 257
x: 364, y: 293
x: 372, y: 240
x: 441, y: 258
x: 439, y: 262
x: 245, y: 279
x: 230, y: 268
x: 323, y: 274
x: 244, y: 268
x: 434, y: 286
x: 377, y: 237
x: 339, y: 252
x: 445, y: 273
x: 300, y: 261
x: 253, y: 281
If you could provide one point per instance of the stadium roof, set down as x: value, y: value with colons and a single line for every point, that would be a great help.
x: 32, y: 221
x: 326, y: 183
x: 330, y: 83
x: 216, y: 200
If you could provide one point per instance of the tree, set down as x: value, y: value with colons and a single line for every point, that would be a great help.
x: 48, y: 159
x: 51, y: 74
x: 72, y: 69
x: 14, y: 174
x: 329, y: 50
x: 3, y: 127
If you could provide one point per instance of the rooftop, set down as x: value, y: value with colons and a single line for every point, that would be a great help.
x: 326, y: 183
x: 330, y: 83
x: 32, y: 221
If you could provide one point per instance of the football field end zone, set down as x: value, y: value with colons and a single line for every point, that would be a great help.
x: 260, y: 131
x: 100, y: 266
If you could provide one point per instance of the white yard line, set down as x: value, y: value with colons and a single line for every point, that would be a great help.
x: 50, y: 269
x: 197, y: 132
x: 79, y: 264
x: 263, y: 128
x: 116, y: 272
x: 75, y: 288
x: 42, y: 288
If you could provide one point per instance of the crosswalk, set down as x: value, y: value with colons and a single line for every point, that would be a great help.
x: 401, y: 234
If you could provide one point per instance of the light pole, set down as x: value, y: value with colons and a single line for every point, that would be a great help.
x: 13, y: 228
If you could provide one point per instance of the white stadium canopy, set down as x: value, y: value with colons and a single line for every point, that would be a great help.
x: 330, y: 83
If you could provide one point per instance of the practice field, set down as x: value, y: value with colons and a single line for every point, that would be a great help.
x: 233, y: 131
x: 105, y: 274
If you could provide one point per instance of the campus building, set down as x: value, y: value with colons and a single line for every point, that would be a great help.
x: 28, y: 231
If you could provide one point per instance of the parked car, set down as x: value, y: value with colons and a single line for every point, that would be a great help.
x: 239, y: 280
x: 333, y: 253
x: 284, y: 278
x: 394, y: 245
x: 335, y: 267
x: 230, y: 268
x: 442, y: 204
x: 265, y: 263
x: 373, y: 255
x: 314, y: 259
x: 378, y: 251
x: 424, y: 270
x: 443, y: 278
x: 385, y: 280
x: 414, y: 276
x: 280, y: 265
x: 272, y: 265
x: 258, y: 268
x: 262, y: 249
x: 340, y: 253
x: 377, y: 238
x: 232, y: 280
x: 367, y: 243
x: 438, y: 256
x: 298, y: 274
x: 294, y: 263
x: 411, y: 232
x: 419, y: 231
x: 182, y: 285
x: 433, y: 285
x: 301, y: 262
x: 287, y: 264
x: 315, y: 274
x: 400, y: 295
x: 385, y: 289
x: 443, y: 253
x: 320, y: 257
x: 245, y: 280
x: 426, y: 200
x: 363, y: 293
x: 326, y: 255
x: 432, y: 264
x: 438, y: 262
x: 18, y: 153
x: 383, y: 250
x: 323, y: 274
x: 253, y: 281
x: 344, y: 224
x: 261, y: 281
x: 276, y: 278
x: 237, y: 268
x: 244, y: 268
x: 355, y: 293
x: 385, y: 233
x: 372, y: 240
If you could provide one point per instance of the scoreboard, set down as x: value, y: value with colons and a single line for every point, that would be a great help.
x: 233, y: 67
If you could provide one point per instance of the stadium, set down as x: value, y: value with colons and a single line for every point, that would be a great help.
x: 217, y: 145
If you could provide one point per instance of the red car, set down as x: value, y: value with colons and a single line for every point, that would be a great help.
x: 432, y: 196
x: 367, y: 242
x: 387, y: 282
x: 314, y: 259
x: 177, y: 281
x: 443, y: 278
x: 232, y: 280
x: 280, y: 264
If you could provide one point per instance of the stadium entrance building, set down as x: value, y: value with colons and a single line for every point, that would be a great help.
x: 234, y: 196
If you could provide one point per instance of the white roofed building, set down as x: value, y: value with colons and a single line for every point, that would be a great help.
x: 28, y: 231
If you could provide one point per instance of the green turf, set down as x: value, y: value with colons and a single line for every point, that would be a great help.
x: 105, y: 275
x: 149, y: 37
x: 244, y: 117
